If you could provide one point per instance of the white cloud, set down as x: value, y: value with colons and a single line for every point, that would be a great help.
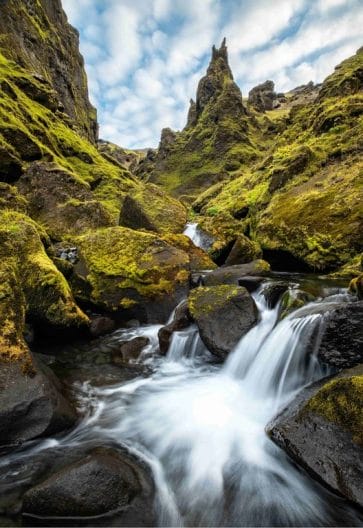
x: 145, y: 57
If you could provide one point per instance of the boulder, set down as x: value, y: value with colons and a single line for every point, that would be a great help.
x: 199, y: 259
x: 232, y: 274
x: 136, y: 274
x: 340, y: 335
x: 223, y: 315
x: 322, y: 430
x: 101, y: 325
x: 104, y: 483
x: 356, y: 286
x: 273, y: 291
x: 181, y: 320
x: 31, y: 402
x: 129, y: 351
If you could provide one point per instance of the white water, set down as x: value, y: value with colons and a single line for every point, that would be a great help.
x: 197, y: 236
x: 201, y: 427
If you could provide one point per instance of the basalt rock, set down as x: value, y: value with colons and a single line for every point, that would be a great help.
x: 322, y: 431
x: 181, y: 320
x: 105, y: 484
x: 223, y: 315
x: 129, y: 350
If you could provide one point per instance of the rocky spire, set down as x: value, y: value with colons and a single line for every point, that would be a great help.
x: 213, y: 83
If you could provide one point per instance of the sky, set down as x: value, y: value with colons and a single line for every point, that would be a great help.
x: 144, y: 58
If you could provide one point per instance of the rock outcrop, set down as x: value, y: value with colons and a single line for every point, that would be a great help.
x: 216, y: 138
x: 223, y: 315
x: 263, y: 96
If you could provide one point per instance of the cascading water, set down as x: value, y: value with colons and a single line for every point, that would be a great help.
x: 201, y: 427
x: 197, y: 236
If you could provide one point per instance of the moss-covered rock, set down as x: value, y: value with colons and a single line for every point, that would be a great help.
x: 292, y: 300
x: 322, y: 430
x: 31, y: 285
x: 149, y: 207
x: 223, y: 315
x: 199, y: 259
x: 120, y: 269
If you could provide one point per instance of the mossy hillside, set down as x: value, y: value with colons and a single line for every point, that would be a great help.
x: 306, y: 196
x: 32, y: 284
x: 340, y: 401
x: 124, y: 267
x: 56, y: 140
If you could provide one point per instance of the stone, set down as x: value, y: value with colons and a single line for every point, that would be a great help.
x: 129, y: 351
x: 273, y: 292
x: 232, y: 274
x: 105, y: 482
x: 321, y: 429
x: 223, y: 315
x: 243, y: 251
x: 339, y: 342
x: 101, y: 325
x: 182, y: 319
x: 31, y: 403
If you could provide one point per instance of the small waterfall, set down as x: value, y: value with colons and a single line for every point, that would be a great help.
x: 197, y: 236
x: 200, y: 426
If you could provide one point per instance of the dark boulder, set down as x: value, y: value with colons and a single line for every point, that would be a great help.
x: 104, y: 483
x: 129, y: 350
x: 101, y: 325
x: 340, y: 337
x: 223, y: 315
x: 273, y: 292
x: 232, y: 274
x: 181, y: 320
x: 263, y: 96
x: 243, y: 251
x: 31, y: 404
x: 322, y: 430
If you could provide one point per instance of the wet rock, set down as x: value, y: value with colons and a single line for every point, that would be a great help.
x: 251, y: 283
x: 129, y: 351
x: 27, y: 149
x: 223, y: 315
x: 31, y: 404
x: 340, y: 339
x: 292, y: 300
x: 322, y: 430
x: 182, y: 319
x: 101, y: 325
x: 273, y: 291
x: 103, y: 483
x: 232, y: 274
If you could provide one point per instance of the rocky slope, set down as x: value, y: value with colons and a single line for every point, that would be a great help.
x: 273, y: 167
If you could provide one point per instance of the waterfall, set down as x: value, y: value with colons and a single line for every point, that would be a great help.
x: 197, y: 236
x: 200, y: 426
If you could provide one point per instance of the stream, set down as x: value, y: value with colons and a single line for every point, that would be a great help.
x: 200, y: 425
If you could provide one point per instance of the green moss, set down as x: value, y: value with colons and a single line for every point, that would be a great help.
x: 341, y: 401
x: 122, y: 263
x: 204, y: 300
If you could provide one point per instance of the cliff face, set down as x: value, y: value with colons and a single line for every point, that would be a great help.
x: 218, y: 138
x: 37, y: 36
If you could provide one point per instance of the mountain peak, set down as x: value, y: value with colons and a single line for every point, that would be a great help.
x: 219, y: 61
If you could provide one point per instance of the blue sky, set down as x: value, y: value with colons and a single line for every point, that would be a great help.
x: 144, y: 58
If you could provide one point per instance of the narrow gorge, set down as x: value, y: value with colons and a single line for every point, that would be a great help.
x: 181, y: 328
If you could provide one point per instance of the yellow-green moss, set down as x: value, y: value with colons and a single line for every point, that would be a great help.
x: 119, y: 261
x: 207, y: 299
x: 34, y: 278
x: 341, y: 401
